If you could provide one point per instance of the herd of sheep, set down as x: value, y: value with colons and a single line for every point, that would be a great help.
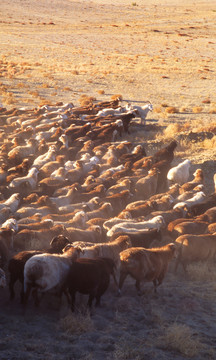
x: 79, y: 203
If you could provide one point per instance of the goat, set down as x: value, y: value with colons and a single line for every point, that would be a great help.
x: 142, y: 111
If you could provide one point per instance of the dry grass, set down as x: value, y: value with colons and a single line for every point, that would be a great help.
x: 202, y: 271
x: 76, y: 324
x: 180, y: 338
x: 197, y: 109
x: 171, y: 130
x: 86, y: 100
x: 126, y: 348
x: 171, y: 110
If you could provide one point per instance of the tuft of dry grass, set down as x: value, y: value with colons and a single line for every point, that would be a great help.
x: 197, y: 109
x: 171, y: 110
x: 172, y: 129
x: 116, y: 96
x: 101, y: 92
x: 86, y: 100
x: 126, y: 349
x: 76, y: 323
x: 202, y: 271
x: 180, y: 338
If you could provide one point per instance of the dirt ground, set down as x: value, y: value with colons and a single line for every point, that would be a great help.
x: 162, y: 51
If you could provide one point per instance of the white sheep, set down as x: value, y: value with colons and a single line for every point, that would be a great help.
x: 11, y: 203
x: 64, y: 200
x: 41, y: 160
x: 156, y: 222
x: 10, y: 224
x: 179, y: 174
x: 48, y: 271
x: 142, y: 111
x: 110, y: 111
x: 196, y: 199
x: 88, y: 205
x: 30, y: 178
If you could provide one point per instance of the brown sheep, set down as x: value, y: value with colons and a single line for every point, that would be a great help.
x: 146, y: 186
x: 166, y: 153
x: 146, y: 264
x: 35, y: 239
x: 189, y: 227
x: 195, y: 248
x: 198, y: 179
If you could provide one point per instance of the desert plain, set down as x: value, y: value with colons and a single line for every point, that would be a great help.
x: 160, y: 51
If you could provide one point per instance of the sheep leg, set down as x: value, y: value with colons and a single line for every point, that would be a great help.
x: 122, y: 278
x: 137, y: 284
x: 35, y: 297
x: 73, y: 301
x: 12, y: 281
x: 26, y: 294
x: 155, y: 285
x: 90, y: 300
x: 98, y: 297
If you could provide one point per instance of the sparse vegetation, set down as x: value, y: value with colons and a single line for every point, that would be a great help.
x: 76, y: 324
x: 180, y: 338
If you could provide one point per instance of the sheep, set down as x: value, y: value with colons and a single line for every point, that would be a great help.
x: 195, y: 248
x: 198, y: 179
x: 110, y: 250
x: 146, y: 186
x: 180, y: 173
x: 64, y: 200
x: 189, y: 227
x: 169, y: 215
x: 163, y: 168
x: 142, y: 208
x: 91, y: 234
x: 209, y: 215
x: 37, y: 239
x: 6, y: 245
x: 43, y: 224
x: 41, y: 160
x: 90, y: 276
x: 48, y: 271
x: 196, y: 199
x: 200, y: 208
x: 108, y: 224
x: 119, y: 201
x: 30, y: 179
x: 155, y: 223
x: 16, y: 155
x: 17, y: 262
x: 166, y: 153
x: 11, y: 203
x: 141, y: 110
x: 123, y: 185
x: 110, y: 111
x: 146, y: 264
x: 104, y: 211
x: 188, y: 194
x: 143, y: 238
x: 10, y: 224
x: 88, y: 205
